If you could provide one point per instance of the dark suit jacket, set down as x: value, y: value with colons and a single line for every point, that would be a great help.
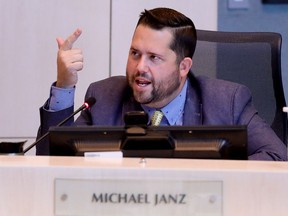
x: 209, y: 102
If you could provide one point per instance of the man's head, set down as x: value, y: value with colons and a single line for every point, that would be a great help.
x: 160, y: 56
x: 181, y: 27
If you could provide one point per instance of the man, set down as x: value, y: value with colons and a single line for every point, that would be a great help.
x: 158, y: 76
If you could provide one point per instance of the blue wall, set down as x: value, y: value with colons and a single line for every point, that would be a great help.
x: 258, y: 17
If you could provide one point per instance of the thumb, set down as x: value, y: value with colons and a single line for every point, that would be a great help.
x: 60, y: 42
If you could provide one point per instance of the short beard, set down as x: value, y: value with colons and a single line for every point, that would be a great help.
x: 158, y: 93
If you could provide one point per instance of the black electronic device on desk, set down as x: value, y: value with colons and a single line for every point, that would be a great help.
x: 197, y: 142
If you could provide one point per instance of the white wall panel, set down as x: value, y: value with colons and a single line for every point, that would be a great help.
x: 28, y: 51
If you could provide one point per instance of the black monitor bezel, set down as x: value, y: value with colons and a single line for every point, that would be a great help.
x: 195, y: 142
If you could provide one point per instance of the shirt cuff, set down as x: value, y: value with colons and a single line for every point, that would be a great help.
x: 61, y: 98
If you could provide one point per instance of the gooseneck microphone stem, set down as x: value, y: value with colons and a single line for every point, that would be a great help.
x: 88, y: 103
x: 47, y: 133
x: 35, y: 143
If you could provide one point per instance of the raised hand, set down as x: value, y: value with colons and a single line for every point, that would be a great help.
x: 69, y: 61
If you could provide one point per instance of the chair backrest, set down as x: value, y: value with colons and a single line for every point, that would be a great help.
x: 249, y: 58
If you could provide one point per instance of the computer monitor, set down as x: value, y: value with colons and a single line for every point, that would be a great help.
x: 197, y: 142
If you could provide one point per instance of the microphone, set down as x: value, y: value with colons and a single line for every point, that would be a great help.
x: 88, y: 103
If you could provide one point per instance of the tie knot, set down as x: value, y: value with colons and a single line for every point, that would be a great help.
x: 156, y: 118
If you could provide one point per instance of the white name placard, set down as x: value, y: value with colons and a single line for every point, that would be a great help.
x: 137, y: 197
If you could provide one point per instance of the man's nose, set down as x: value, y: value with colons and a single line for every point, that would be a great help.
x: 142, y: 65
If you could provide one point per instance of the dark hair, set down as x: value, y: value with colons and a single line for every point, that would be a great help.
x: 182, y: 28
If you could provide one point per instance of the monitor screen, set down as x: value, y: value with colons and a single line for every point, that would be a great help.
x: 198, y: 142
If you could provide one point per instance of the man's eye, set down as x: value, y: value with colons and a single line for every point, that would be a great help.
x: 154, y: 58
x: 134, y: 53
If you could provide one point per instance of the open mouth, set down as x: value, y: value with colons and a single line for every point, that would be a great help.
x: 142, y: 82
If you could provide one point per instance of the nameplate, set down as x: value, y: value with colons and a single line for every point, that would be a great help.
x: 112, y: 154
x: 137, y: 197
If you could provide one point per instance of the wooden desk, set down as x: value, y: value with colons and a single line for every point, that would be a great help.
x: 249, y: 187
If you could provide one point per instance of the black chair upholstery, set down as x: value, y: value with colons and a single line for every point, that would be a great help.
x: 249, y: 58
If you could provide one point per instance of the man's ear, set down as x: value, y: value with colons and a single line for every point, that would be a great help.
x: 185, y: 66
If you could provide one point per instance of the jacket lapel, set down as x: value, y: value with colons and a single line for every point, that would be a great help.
x: 193, y: 107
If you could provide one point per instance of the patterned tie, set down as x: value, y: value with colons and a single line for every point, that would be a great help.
x: 156, y: 118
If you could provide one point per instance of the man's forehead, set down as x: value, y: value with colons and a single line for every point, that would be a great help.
x: 147, y: 38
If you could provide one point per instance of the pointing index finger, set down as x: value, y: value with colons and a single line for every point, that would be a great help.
x: 68, y: 43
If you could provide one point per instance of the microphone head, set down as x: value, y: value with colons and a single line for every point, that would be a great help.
x: 90, y: 102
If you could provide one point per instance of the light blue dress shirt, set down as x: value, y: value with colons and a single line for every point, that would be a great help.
x: 61, y: 98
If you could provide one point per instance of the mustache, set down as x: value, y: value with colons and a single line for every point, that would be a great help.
x: 142, y: 75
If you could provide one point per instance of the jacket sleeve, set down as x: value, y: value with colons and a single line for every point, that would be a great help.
x: 263, y: 143
x: 228, y: 103
x: 48, y: 119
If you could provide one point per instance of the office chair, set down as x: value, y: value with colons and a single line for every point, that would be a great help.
x: 249, y: 58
